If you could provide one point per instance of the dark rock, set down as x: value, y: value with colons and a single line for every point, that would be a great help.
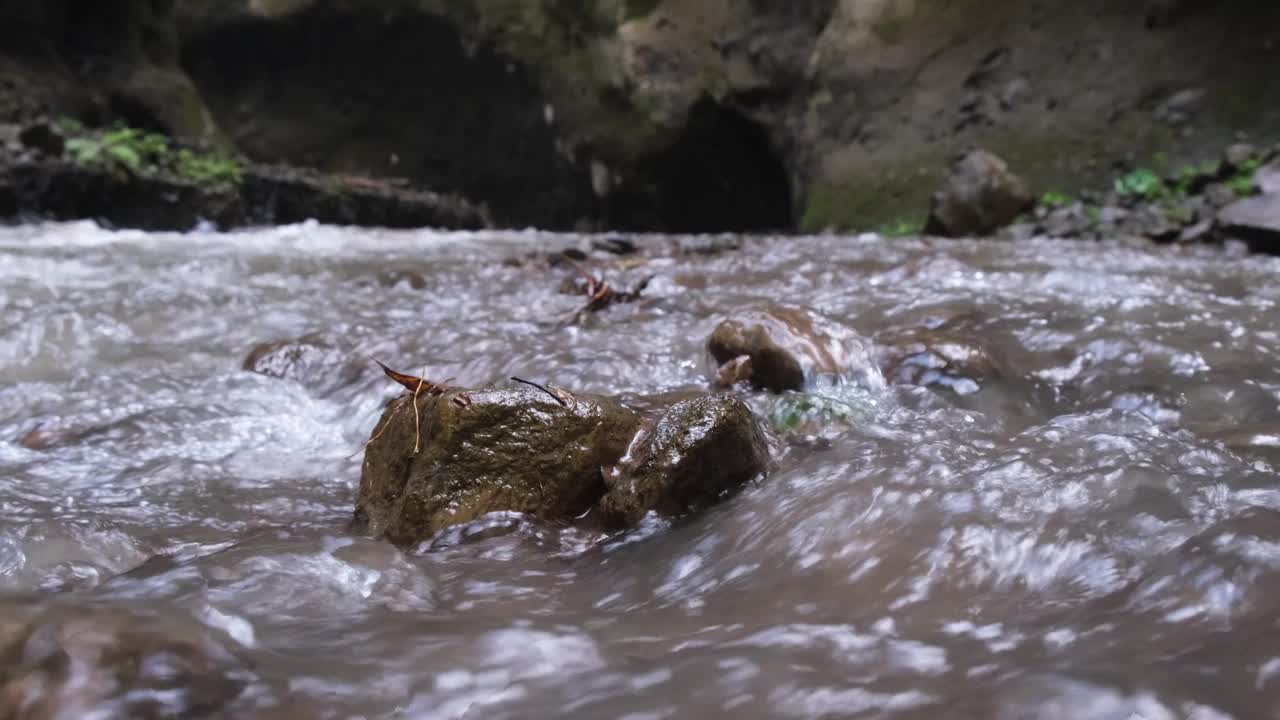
x: 786, y: 346
x: 481, y: 451
x: 1254, y: 219
x: 1219, y: 195
x: 278, y: 194
x: 1068, y: 221
x: 697, y: 452
x: 63, y: 662
x: 316, y: 361
x: 979, y: 196
x: 43, y: 137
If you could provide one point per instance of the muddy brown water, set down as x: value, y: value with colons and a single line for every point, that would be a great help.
x: 1092, y: 531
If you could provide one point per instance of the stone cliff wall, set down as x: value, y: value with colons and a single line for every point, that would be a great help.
x: 698, y: 115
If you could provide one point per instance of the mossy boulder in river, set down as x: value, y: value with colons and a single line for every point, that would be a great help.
x: 696, y: 452
x: 483, y: 451
x: 779, y: 348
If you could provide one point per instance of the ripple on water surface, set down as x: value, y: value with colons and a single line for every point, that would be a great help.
x: 1077, y: 517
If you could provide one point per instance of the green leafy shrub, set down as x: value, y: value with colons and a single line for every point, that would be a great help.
x: 208, y: 169
x: 1142, y: 183
x: 1241, y: 183
x: 138, y: 152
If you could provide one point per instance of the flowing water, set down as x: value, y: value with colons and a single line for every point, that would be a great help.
x: 1091, y: 530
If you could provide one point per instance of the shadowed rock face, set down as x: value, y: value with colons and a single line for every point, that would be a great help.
x: 483, y: 451
x: 697, y: 451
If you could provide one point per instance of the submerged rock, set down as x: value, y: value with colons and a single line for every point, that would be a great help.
x: 696, y: 452
x: 63, y: 662
x: 979, y: 196
x: 779, y: 348
x: 316, y: 361
x: 483, y: 451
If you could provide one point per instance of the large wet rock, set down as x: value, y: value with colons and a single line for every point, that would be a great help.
x: 699, y: 450
x: 780, y: 348
x: 483, y: 451
x: 82, y: 662
x: 979, y: 196
x: 1254, y: 219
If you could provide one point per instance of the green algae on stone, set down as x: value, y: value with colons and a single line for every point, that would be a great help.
x: 488, y: 450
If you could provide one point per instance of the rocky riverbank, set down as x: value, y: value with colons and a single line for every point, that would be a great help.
x: 1235, y: 197
x: 666, y: 115
x: 130, y: 178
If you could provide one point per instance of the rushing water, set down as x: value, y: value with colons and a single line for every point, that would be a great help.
x: 1093, y: 533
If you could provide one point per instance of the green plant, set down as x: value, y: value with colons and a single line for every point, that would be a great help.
x: 797, y: 410
x: 1241, y: 182
x: 902, y: 227
x: 127, y: 149
x: 138, y: 152
x: 208, y: 169
x: 1142, y: 183
x: 1053, y: 199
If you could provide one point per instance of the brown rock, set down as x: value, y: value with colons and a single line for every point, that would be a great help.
x: 979, y: 196
x: 697, y: 452
x: 481, y: 451
x: 785, y: 347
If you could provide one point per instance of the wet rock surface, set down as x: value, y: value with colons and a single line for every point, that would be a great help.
x: 482, y: 451
x: 979, y: 196
x: 1255, y: 219
x: 781, y: 348
x: 115, y: 662
x: 699, y: 450
x: 318, y: 361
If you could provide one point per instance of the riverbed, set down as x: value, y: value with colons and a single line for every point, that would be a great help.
x: 1091, y: 531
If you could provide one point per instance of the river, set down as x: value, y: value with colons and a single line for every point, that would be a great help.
x: 1091, y: 532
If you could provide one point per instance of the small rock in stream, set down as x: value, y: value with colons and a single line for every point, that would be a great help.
x: 785, y: 347
x: 317, y: 361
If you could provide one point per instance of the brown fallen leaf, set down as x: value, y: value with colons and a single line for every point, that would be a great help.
x: 413, y: 383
